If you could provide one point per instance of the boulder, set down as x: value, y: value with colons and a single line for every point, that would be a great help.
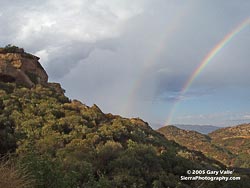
x: 23, y: 68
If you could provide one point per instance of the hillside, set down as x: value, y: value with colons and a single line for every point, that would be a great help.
x: 198, y: 142
x: 44, y: 128
x: 235, y: 139
x: 229, y: 145
x: 58, y: 142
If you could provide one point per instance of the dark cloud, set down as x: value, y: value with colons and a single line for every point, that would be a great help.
x: 66, y: 57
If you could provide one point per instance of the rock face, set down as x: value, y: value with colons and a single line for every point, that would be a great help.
x: 21, y: 67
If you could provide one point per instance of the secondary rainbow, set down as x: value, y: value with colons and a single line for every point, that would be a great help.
x: 205, y: 62
x: 152, y: 60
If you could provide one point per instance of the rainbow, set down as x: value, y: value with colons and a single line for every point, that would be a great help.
x: 217, y: 48
x: 169, y: 30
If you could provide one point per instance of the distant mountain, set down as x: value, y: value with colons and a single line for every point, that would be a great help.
x: 204, y: 129
x: 230, y: 145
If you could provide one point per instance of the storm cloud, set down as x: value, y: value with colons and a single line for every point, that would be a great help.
x: 134, y: 57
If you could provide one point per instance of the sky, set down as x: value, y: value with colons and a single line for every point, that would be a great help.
x: 134, y: 58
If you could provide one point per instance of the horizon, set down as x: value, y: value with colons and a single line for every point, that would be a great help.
x: 166, y: 62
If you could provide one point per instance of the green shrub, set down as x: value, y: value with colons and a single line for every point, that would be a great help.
x: 47, y: 172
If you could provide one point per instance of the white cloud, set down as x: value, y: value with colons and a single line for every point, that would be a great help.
x: 78, y: 20
x: 66, y: 32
